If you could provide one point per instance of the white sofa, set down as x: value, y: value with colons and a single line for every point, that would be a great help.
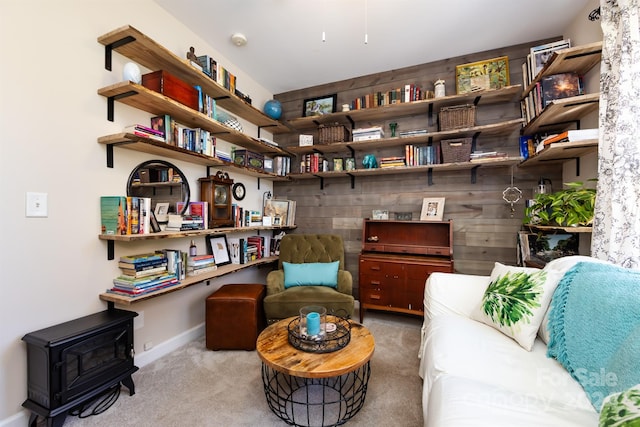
x: 474, y: 375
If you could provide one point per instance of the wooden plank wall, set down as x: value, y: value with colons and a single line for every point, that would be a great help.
x: 484, y: 229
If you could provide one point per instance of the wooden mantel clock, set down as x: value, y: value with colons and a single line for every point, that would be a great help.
x: 216, y: 190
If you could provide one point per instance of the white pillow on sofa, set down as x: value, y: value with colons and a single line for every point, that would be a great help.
x: 516, y: 301
x: 560, y: 266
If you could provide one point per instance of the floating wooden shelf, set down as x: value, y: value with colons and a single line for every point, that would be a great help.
x: 562, y: 151
x: 183, y: 234
x: 140, y: 97
x: 151, y: 146
x: 533, y: 227
x: 560, y: 114
x: 579, y: 59
x: 491, y: 130
x: 186, y: 282
x: 426, y: 106
x: 133, y: 44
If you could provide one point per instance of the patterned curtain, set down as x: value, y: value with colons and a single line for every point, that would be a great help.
x: 616, y: 226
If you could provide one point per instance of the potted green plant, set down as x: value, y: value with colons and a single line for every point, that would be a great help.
x: 570, y: 207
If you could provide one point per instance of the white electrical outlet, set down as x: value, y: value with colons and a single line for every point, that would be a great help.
x: 148, y: 345
x: 36, y: 205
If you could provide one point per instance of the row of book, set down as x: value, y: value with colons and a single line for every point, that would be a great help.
x: 149, y: 272
x: 422, y: 155
x: 218, y: 73
x: 178, y: 135
x: 246, y: 249
x: 548, y: 88
x: 122, y: 215
x: 407, y: 93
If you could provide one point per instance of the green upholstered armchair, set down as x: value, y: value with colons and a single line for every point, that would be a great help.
x: 281, y: 303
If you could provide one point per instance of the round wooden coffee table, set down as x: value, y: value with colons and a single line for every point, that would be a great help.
x: 314, y: 389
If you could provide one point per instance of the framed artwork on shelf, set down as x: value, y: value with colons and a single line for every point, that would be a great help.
x: 217, y: 245
x: 380, y: 214
x: 319, y: 106
x: 482, y: 75
x: 541, y: 54
x: 432, y: 209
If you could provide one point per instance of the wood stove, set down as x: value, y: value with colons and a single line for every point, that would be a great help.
x: 73, y: 362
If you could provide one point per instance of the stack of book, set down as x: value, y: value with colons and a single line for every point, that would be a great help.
x: 410, y: 133
x: 484, y: 155
x: 145, y: 132
x: 422, y: 155
x: 200, y: 264
x: 365, y: 134
x: 391, y: 162
x: 142, y: 274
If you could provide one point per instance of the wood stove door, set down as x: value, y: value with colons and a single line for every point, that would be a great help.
x: 95, y: 360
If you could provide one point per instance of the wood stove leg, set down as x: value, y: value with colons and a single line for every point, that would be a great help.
x: 128, y: 383
x: 57, y: 420
x: 33, y: 420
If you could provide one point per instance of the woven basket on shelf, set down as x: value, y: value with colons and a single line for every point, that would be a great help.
x: 456, y: 150
x: 457, y: 117
x: 328, y: 134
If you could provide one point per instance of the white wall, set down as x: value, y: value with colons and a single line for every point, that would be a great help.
x: 582, y: 31
x: 50, y: 114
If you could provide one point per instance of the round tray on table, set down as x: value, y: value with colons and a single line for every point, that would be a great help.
x: 327, y: 342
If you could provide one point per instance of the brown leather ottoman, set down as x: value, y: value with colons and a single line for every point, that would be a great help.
x: 234, y: 317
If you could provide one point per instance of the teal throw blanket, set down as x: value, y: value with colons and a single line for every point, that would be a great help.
x: 594, y: 325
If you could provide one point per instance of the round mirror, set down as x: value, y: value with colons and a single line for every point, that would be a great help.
x: 164, y: 183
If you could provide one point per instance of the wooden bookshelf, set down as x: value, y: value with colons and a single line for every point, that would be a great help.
x: 426, y: 106
x: 151, y: 146
x: 140, y: 97
x: 560, y: 114
x: 133, y: 44
x: 186, y: 282
x: 191, y: 233
x: 561, y: 152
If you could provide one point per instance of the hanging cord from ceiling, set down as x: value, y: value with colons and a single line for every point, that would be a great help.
x: 594, y: 15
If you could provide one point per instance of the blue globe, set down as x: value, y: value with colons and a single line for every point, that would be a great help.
x: 273, y: 109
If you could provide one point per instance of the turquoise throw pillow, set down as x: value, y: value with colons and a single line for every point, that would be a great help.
x: 311, y: 274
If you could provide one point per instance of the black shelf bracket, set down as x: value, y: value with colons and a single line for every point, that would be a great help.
x: 108, y: 49
x: 258, y: 186
x: 353, y: 181
x: 110, y: 155
x: 111, y: 102
x: 577, y: 166
x: 430, y: 177
x: 476, y: 101
x: 111, y: 252
x: 352, y: 151
x: 321, y: 183
x: 265, y: 126
x: 222, y: 97
x: 474, y: 139
x: 353, y: 124
x: 474, y: 174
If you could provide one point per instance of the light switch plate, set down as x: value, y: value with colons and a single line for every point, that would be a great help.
x: 36, y: 205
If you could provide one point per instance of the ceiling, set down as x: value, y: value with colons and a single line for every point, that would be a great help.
x: 285, y: 50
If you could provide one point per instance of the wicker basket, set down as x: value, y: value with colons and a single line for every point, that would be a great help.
x: 456, y: 150
x: 328, y: 134
x: 457, y: 117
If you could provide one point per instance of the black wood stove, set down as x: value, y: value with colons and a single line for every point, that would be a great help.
x: 73, y: 362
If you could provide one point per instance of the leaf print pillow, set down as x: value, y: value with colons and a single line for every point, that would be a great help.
x: 516, y: 300
x: 621, y: 409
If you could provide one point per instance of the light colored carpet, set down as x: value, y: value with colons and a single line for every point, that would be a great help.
x: 195, y: 387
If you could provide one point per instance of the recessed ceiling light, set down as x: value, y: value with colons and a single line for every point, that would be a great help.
x: 239, y: 39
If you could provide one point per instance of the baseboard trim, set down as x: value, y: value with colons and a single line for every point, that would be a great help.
x: 166, y: 347
x: 21, y: 418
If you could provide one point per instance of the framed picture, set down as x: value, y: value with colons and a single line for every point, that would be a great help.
x: 217, y: 245
x: 432, y: 209
x: 482, y: 75
x: 379, y: 214
x: 319, y: 106
x: 540, y: 54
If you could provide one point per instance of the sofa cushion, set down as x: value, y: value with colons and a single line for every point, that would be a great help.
x: 516, y: 300
x: 463, y: 402
x: 459, y: 346
x: 311, y: 274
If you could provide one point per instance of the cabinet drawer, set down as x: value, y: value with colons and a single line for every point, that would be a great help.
x: 438, y: 251
x: 379, y: 268
x: 378, y: 297
x: 373, y: 247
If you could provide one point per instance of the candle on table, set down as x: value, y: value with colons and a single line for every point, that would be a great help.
x: 313, y: 323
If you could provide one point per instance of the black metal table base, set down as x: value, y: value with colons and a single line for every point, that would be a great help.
x: 315, y: 402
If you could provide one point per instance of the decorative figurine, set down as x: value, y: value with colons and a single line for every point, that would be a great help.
x: 393, y: 127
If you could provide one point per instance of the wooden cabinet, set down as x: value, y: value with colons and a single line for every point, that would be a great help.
x: 397, y: 258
